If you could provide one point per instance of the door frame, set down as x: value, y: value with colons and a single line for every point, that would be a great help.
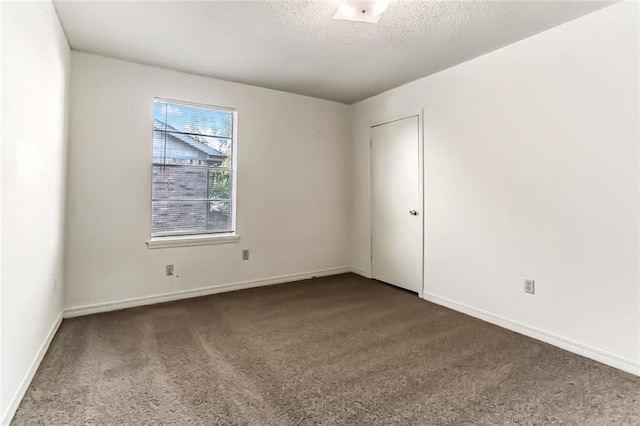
x: 421, y: 203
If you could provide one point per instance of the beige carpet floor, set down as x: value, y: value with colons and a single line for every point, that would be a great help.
x: 335, y: 350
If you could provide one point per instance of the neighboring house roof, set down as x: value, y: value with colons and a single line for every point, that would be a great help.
x: 161, y: 126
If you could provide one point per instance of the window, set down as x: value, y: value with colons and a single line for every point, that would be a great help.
x: 193, y: 185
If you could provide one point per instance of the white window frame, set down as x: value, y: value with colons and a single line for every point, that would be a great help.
x: 201, y: 239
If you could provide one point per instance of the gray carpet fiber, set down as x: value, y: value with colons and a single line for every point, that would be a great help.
x: 334, y: 350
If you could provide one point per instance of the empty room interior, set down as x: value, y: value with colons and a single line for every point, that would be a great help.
x: 383, y: 212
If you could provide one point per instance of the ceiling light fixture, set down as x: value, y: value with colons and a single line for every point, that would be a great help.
x: 361, y: 11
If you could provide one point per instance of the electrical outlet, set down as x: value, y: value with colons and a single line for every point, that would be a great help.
x: 169, y: 269
x: 530, y: 286
x: 245, y: 254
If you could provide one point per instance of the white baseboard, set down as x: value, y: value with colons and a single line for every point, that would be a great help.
x: 595, y: 354
x: 7, y: 416
x: 77, y: 311
x: 360, y: 272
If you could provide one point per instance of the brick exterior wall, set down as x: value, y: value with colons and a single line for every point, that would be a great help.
x: 174, y: 181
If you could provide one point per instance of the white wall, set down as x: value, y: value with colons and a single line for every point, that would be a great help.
x: 2, y: 399
x: 292, y: 176
x: 531, y: 171
x: 35, y: 69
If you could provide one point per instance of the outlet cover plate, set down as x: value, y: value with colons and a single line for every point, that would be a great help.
x: 530, y: 286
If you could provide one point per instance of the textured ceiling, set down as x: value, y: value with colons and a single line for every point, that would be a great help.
x: 297, y: 47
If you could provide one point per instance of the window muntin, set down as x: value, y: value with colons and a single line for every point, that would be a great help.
x: 193, y: 171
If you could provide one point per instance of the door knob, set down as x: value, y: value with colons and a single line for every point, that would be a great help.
x: 413, y: 213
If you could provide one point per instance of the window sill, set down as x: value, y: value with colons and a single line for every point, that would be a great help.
x: 191, y: 240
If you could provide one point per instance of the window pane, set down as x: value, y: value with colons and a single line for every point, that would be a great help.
x: 171, y: 218
x: 180, y: 182
x: 174, y: 148
x: 193, y: 119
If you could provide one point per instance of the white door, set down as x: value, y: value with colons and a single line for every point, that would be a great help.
x: 396, y: 204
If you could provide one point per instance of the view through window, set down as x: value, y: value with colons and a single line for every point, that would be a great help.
x: 193, y: 174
